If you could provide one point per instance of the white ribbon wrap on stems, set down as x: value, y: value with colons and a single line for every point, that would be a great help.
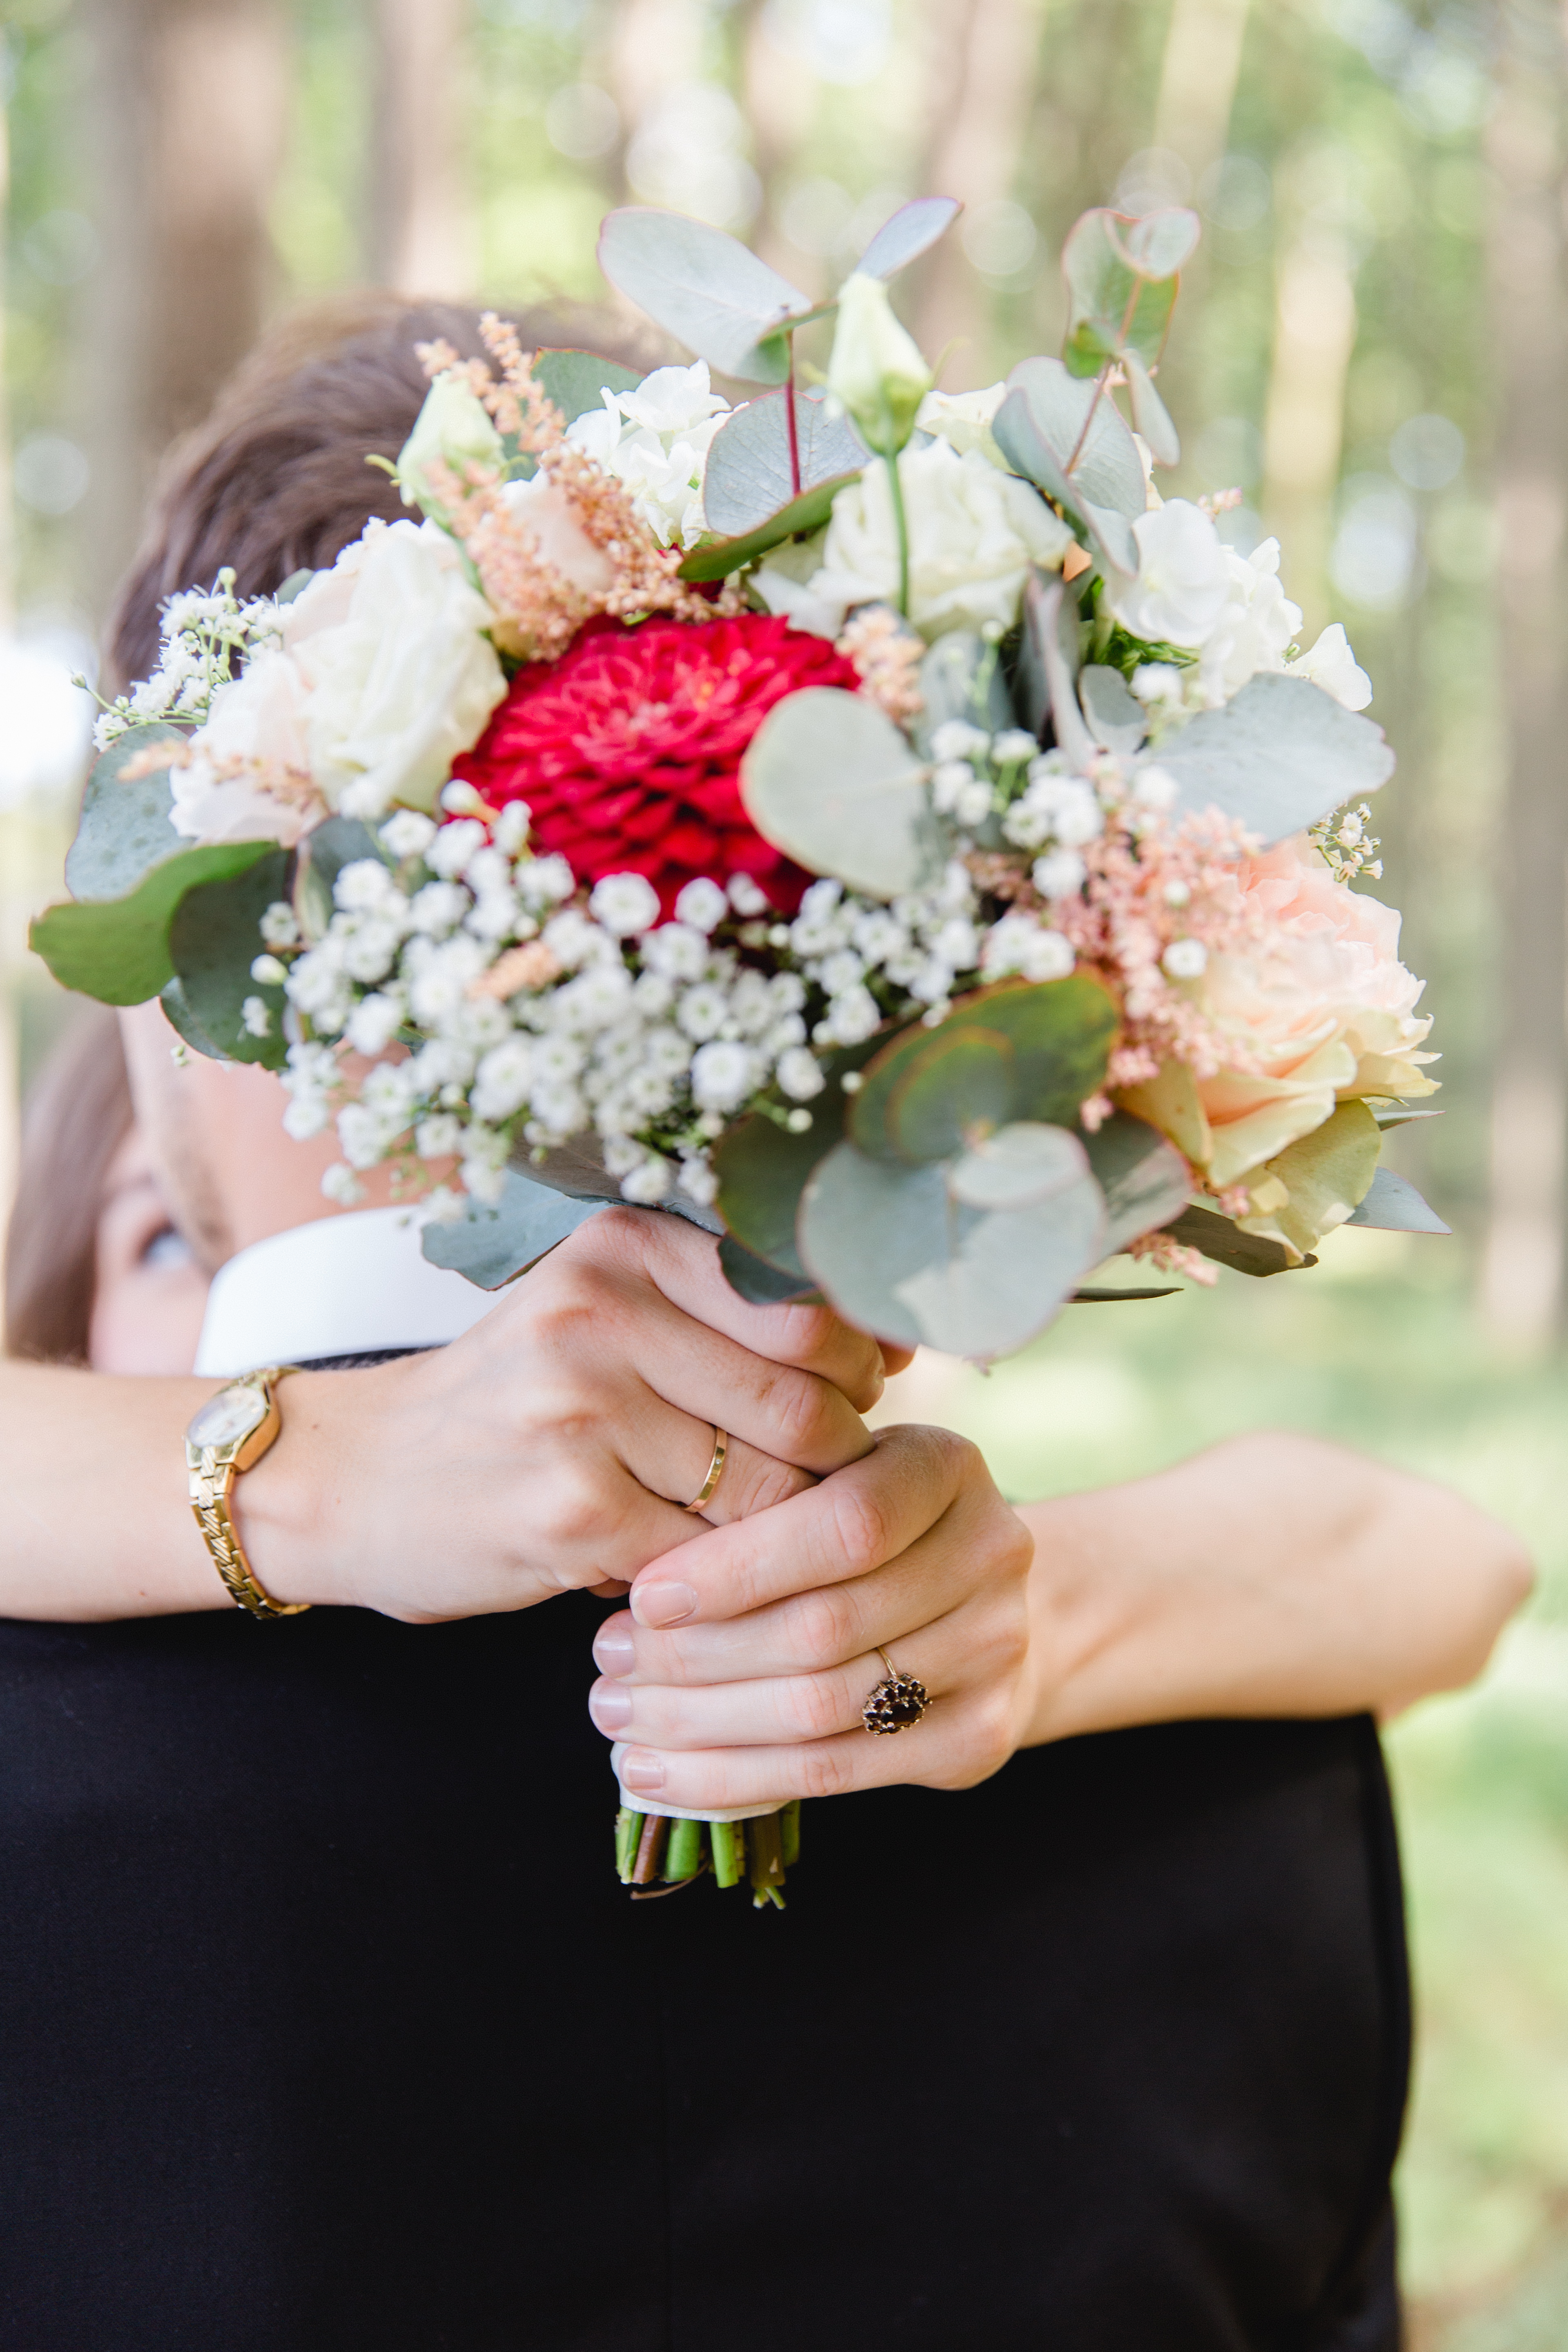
x: 638, y: 1804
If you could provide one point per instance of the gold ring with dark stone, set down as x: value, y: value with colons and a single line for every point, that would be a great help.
x: 896, y: 1702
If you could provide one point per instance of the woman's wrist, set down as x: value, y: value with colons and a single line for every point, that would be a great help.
x: 290, y: 1509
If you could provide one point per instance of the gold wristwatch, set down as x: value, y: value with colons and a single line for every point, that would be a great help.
x: 231, y: 1433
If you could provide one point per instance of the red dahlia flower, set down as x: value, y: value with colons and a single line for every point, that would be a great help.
x: 628, y: 748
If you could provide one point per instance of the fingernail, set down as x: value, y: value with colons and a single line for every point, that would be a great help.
x: 662, y: 1604
x: 641, y: 1770
x: 615, y: 1651
x: 610, y: 1709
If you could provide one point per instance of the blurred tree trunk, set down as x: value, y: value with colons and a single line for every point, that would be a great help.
x: 185, y: 103
x: 1198, y: 74
x: 981, y: 78
x: 778, y: 96
x: 1522, y: 1285
x: 419, y: 238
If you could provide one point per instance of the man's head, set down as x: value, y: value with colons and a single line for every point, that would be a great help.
x: 276, y: 480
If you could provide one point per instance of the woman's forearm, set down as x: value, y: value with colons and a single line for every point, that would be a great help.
x: 1272, y: 1575
x: 97, y: 1518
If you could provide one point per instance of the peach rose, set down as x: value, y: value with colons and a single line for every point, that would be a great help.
x: 1320, y: 1009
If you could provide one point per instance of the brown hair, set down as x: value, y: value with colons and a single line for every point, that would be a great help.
x: 277, y: 479
x: 78, y: 1114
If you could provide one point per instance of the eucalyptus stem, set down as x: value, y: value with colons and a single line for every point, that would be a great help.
x: 729, y: 1841
x: 683, y: 1855
x: 900, y: 523
x: 629, y: 1831
x: 793, y: 424
x: 767, y: 1867
x: 650, y: 1847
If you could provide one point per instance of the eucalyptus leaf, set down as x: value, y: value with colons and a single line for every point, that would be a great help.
x: 213, y: 937
x: 1391, y: 1205
x: 961, y: 678
x: 1150, y: 414
x: 1047, y: 665
x: 178, y: 1013
x: 578, y: 1169
x: 576, y: 380
x: 895, y: 1253
x: 926, y: 1091
x: 1116, y: 717
x: 763, y: 1167
x: 715, y: 559
x: 118, y: 949
x: 747, y: 480
x: 913, y: 229
x: 1040, y: 424
x: 706, y: 288
x: 1144, y: 1178
x: 1017, y: 1168
x: 762, y: 1284
x: 124, y: 829
x: 1278, y: 756
x: 1220, y: 1238
x: 828, y: 779
x: 1110, y: 1297
x: 1159, y: 243
x: 491, y: 1247
x: 337, y: 842
x: 1400, y: 1114
x: 1116, y: 308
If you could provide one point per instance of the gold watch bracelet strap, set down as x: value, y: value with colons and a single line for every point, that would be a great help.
x: 212, y: 1484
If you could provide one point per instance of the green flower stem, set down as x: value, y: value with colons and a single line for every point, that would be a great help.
x: 628, y: 1830
x: 900, y: 523
x: 789, y: 1833
x: 766, y: 1852
x: 650, y: 1846
x: 683, y: 1855
x: 728, y: 1842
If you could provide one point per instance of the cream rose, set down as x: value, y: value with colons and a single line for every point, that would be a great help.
x: 1321, y: 1007
x: 383, y: 678
x: 246, y: 775
x: 973, y: 534
x: 401, y: 678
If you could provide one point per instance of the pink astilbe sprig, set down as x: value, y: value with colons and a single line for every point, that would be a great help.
x: 1169, y: 1257
x: 886, y: 654
x: 578, y: 548
x: 1146, y: 890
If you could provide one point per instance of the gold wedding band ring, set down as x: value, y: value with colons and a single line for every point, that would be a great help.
x: 705, y: 1493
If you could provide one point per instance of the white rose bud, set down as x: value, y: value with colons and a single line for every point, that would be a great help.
x: 876, y: 370
x: 454, y: 429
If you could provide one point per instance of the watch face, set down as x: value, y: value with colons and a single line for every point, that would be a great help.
x: 228, y: 1417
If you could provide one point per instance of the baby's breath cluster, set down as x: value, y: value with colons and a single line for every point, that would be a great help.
x: 207, y: 634
x: 1348, y: 845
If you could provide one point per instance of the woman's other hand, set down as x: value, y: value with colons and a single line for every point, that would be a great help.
x: 739, y: 1673
x: 555, y: 1445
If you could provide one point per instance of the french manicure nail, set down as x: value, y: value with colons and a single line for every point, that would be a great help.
x: 641, y: 1770
x: 615, y: 1651
x: 610, y: 1709
x: 662, y: 1603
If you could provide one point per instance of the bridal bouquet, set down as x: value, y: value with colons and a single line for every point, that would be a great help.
x: 868, y: 821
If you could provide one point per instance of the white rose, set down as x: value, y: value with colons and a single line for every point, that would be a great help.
x: 256, y: 732
x: 974, y: 535
x: 1182, y: 582
x: 1255, y: 628
x: 404, y: 680
x: 964, y: 419
x: 1331, y: 665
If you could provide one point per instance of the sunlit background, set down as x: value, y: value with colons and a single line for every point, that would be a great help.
x: 1370, y: 347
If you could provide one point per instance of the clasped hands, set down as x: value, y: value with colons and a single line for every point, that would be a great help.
x: 559, y: 1440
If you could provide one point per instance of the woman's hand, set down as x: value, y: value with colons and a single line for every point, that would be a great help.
x: 553, y: 1446
x: 738, y: 1674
